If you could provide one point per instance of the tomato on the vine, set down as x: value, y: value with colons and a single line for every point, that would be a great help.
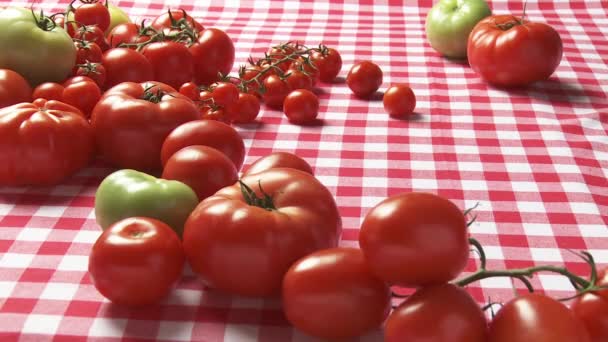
x: 592, y: 310
x: 126, y: 65
x: 276, y: 90
x: 190, y: 90
x: 87, y: 52
x: 279, y: 52
x: 89, y: 33
x: 213, y: 53
x: 364, y: 79
x: 245, y: 109
x: 127, y: 33
x: 399, y: 101
x: 214, y: 113
x: 278, y: 160
x: 82, y: 94
x: 13, y: 88
x: 172, y: 18
x: 224, y: 93
x: 93, y: 13
x: 328, y: 63
x: 332, y: 294
x: 171, y: 61
x: 299, y: 80
x: 301, y: 106
x: 307, y: 66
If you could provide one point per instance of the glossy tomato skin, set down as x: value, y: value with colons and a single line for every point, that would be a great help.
x: 126, y: 65
x: 328, y: 64
x: 171, y: 61
x: 299, y: 80
x: 136, y: 261
x: 246, y: 250
x: 508, y: 54
x: 364, y: 79
x: 130, y: 130
x: 278, y: 160
x: 93, y: 13
x: 126, y: 33
x: 82, y: 94
x: 399, y: 101
x: 332, y: 294
x: 87, y: 51
x: 276, y: 91
x: 245, y: 109
x: 164, y: 21
x: 204, y: 169
x: 13, y: 88
x: 48, y: 91
x: 301, y: 106
x: 426, y: 232
x: 451, y: 312
x: 536, y: 317
x: 592, y: 310
x: 213, y: 53
x: 42, y: 143
x: 210, y: 133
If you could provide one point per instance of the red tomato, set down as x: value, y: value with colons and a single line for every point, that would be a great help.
x: 278, y: 52
x: 48, y: 91
x: 215, y: 114
x: 328, y: 64
x: 424, y: 231
x: 42, y: 143
x: 83, y: 95
x: 213, y: 54
x: 245, y: 109
x: 437, y: 314
x: 93, y: 13
x: 203, y: 168
x: 536, y: 317
x: 364, y: 79
x: 190, y: 90
x: 399, y: 101
x: 334, y: 283
x: 94, y: 71
x: 136, y: 261
x: 126, y: 33
x: 132, y: 120
x: 277, y: 160
x: 246, y: 246
x: 247, y: 74
x: 301, y: 106
x: 87, y: 52
x: 173, y: 19
x: 13, y: 88
x: 507, y: 52
x: 126, y: 65
x: 299, y: 80
x: 592, y: 310
x: 207, y: 133
x: 276, y: 91
x: 300, y: 64
x: 171, y: 61
x: 224, y: 93
x: 89, y: 33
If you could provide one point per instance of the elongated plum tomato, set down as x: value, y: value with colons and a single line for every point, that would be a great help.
x: 332, y: 294
x: 425, y: 232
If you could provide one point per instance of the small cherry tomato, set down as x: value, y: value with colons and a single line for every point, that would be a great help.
x: 224, y: 93
x: 83, y: 95
x: 95, y: 71
x: 171, y: 61
x: 328, y: 63
x: 93, y: 13
x: 245, y: 109
x: 126, y: 33
x: 364, y: 79
x: 299, y: 80
x: 190, y: 90
x: 49, y: 91
x: 126, y: 65
x: 276, y: 91
x: 87, y: 52
x: 592, y: 310
x: 301, y: 106
x: 399, y: 101
x: 169, y: 21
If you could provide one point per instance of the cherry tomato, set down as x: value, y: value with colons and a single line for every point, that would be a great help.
x: 83, y: 95
x: 93, y: 13
x: 328, y: 64
x: 248, y: 73
x: 301, y: 106
x: 242, y: 245
x: 276, y: 91
x: 399, y: 101
x: 426, y: 232
x: 95, y: 71
x: 279, y: 52
x: 307, y: 66
x: 89, y: 33
x: 87, y: 52
x: 437, y: 314
x: 171, y: 61
x: 208, y: 133
x: 536, y: 317
x: 126, y: 65
x: 299, y: 80
x: 334, y: 283
x: 364, y: 79
x: 245, y: 109
x: 592, y: 310
x: 203, y: 168
x: 213, y: 53
x: 171, y: 19
x: 215, y: 114
x: 224, y: 93
x: 126, y: 33
x: 136, y: 261
x: 48, y: 91
x: 278, y: 160
x: 190, y: 90
x: 13, y: 88
x: 205, y: 96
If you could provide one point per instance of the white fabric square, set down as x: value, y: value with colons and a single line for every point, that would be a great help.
x: 14, y: 260
x: 59, y: 291
x: 41, y: 324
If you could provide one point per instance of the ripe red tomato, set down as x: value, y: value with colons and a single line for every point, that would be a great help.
x: 136, y: 261
x: 399, y: 101
x: 426, y: 232
x: 299, y: 80
x: 48, y: 91
x: 536, y: 317
x: 276, y: 160
x: 276, y: 91
x: 279, y: 52
x: 132, y: 120
x: 207, y: 133
x: 245, y: 109
x: 93, y: 13
x: 508, y: 52
x: 94, y: 71
x: 592, y: 310
x: 328, y: 64
x: 248, y: 73
x: 171, y: 61
x: 203, y: 168
x: 170, y: 20
x: 334, y: 283
x: 83, y: 94
x: 13, y: 88
x: 245, y: 246
x: 224, y: 94
x: 190, y: 90
x: 126, y: 33
x: 301, y: 106
x: 451, y: 312
x: 89, y: 33
x: 364, y: 79
x: 42, y: 143
x: 213, y: 54
x: 126, y: 65
x: 87, y: 52
x: 215, y: 114
x: 301, y: 65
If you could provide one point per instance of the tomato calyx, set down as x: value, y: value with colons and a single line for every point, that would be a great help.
x: 251, y: 198
x: 510, y: 24
x: 153, y: 96
x: 44, y: 22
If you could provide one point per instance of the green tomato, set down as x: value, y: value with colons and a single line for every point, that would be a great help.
x: 34, y: 47
x: 117, y: 16
x: 129, y: 193
x: 449, y: 23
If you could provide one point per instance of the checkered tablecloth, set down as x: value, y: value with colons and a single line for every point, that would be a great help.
x: 535, y: 160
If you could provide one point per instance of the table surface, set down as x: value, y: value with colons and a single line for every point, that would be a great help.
x: 535, y: 160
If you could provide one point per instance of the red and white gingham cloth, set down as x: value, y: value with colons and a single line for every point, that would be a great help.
x: 535, y: 160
